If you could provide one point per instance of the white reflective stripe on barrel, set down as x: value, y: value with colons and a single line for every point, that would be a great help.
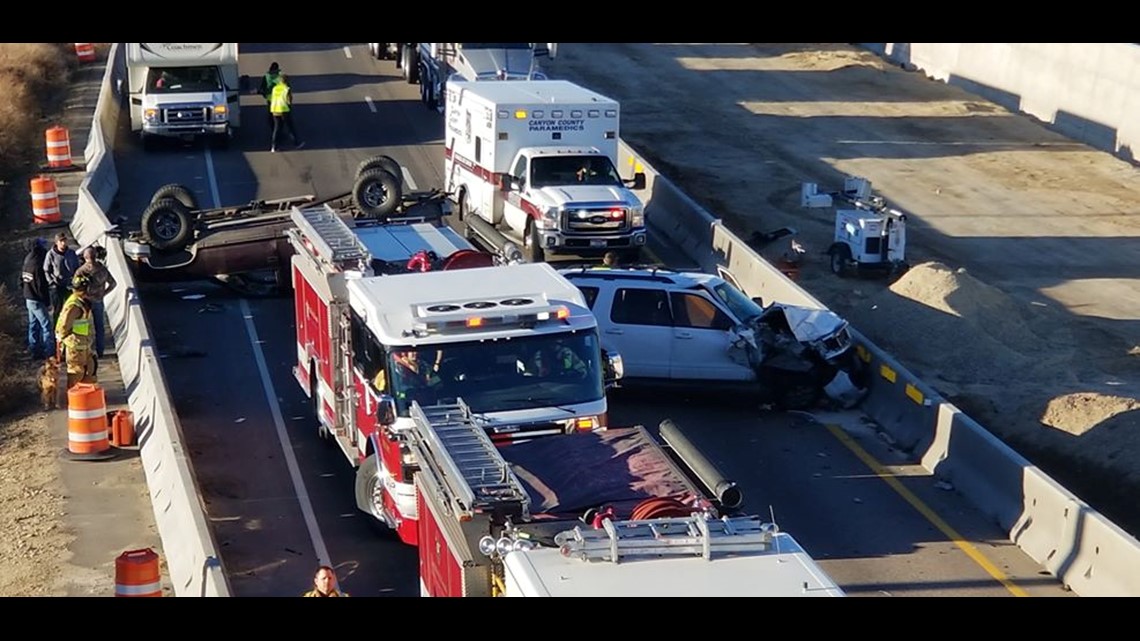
x: 83, y: 414
x: 135, y: 590
x: 86, y: 437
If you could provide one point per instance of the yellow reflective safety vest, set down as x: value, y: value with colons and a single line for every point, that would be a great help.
x: 79, y: 338
x: 279, y: 100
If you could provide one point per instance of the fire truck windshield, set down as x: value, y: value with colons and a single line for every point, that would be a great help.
x: 511, y: 374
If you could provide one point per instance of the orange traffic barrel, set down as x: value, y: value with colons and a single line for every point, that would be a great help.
x: 45, y: 201
x: 85, y: 51
x: 137, y: 574
x: 58, y: 147
x: 123, y: 429
x: 87, y: 437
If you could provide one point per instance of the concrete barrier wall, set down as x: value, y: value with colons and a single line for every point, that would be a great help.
x: 1083, y: 549
x: 191, y: 557
x: 1089, y: 91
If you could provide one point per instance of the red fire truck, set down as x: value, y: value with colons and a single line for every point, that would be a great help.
x: 396, y: 312
x: 607, y: 512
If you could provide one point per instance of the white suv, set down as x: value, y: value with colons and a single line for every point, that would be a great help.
x: 694, y: 328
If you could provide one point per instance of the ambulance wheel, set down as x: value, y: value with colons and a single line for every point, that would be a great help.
x: 178, y: 192
x: 387, y: 163
x: 166, y: 223
x: 377, y: 193
x: 840, y: 258
x: 532, y: 245
x: 370, y: 488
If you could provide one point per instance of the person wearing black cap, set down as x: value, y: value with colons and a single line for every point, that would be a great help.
x: 268, y: 81
x: 37, y: 297
x: 59, y: 267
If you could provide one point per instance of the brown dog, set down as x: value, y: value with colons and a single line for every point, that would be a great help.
x: 49, y: 377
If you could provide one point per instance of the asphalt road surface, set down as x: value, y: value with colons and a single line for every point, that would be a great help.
x: 281, y: 501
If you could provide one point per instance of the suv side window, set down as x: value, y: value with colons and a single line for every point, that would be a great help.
x: 641, y: 307
x: 691, y: 310
x: 591, y: 294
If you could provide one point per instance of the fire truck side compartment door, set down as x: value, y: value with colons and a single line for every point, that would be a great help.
x: 447, y: 565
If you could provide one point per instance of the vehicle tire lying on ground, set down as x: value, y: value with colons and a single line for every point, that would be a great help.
x: 178, y: 192
x: 377, y: 193
x: 167, y: 225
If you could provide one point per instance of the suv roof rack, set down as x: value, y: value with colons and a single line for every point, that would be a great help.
x: 644, y: 272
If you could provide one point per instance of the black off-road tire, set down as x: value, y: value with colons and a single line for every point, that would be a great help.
x: 178, y: 192
x: 387, y: 163
x: 168, y: 225
x: 377, y: 193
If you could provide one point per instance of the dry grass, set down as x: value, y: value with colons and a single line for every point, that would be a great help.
x: 33, y: 77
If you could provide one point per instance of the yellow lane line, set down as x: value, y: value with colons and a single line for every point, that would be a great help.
x: 889, y: 478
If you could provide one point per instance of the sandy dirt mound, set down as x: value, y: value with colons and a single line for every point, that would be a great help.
x: 991, y: 352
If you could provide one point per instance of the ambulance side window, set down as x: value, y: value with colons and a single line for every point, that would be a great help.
x: 520, y: 171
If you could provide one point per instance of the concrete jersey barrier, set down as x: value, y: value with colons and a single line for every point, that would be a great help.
x: 193, y: 564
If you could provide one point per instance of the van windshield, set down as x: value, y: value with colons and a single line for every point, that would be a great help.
x: 183, y: 80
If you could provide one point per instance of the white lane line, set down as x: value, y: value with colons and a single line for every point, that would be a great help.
x: 212, y: 179
x: 347, y: 52
x: 283, y: 438
x: 408, y: 178
x: 371, y: 105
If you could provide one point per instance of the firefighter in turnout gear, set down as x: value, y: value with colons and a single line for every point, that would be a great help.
x: 558, y: 361
x: 74, y: 332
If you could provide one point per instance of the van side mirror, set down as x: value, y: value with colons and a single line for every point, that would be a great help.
x: 758, y: 300
x: 638, y: 182
x: 386, y: 410
x: 506, y: 183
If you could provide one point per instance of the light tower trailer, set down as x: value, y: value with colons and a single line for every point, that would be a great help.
x: 871, y: 237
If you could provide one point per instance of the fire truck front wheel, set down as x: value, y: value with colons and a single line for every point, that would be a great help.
x: 370, y: 489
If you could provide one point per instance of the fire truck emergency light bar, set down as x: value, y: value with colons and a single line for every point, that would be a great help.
x: 519, y: 311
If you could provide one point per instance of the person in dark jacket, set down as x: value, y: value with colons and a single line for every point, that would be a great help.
x: 268, y: 81
x: 37, y: 296
x: 59, y: 267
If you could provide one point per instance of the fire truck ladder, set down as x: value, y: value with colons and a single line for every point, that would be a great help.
x: 471, y: 470
x: 694, y: 535
x: 332, y: 239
